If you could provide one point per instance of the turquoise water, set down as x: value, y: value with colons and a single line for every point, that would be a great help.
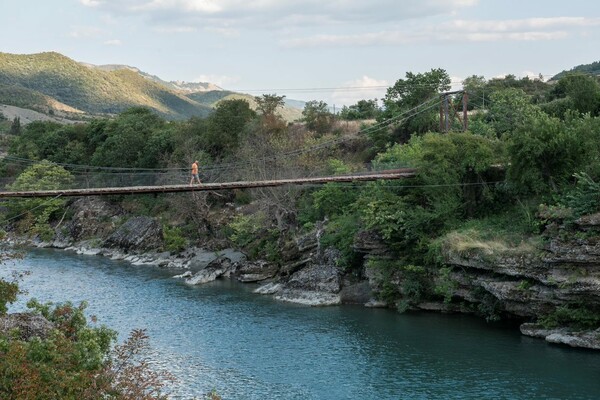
x: 222, y: 336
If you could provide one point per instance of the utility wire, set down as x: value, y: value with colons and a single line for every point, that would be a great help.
x: 3, y: 223
x: 373, y: 128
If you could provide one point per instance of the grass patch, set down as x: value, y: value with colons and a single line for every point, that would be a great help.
x: 498, y: 234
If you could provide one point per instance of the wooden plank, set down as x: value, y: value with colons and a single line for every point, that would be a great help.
x: 383, y: 175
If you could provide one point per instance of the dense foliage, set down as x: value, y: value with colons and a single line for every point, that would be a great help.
x: 75, y: 360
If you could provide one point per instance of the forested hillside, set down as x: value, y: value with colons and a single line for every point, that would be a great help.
x: 51, y: 83
x: 588, y: 69
x: 87, y: 89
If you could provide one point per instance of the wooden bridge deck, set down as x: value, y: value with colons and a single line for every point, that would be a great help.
x: 381, y: 175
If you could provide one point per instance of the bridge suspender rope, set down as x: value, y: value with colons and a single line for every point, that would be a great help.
x: 381, y: 175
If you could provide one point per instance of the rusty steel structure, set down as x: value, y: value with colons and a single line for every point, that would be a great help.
x: 449, y: 110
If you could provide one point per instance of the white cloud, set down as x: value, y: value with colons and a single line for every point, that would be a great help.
x: 92, y: 3
x: 225, y: 32
x: 364, y: 88
x: 527, y: 24
x: 113, y: 42
x: 80, y: 32
x: 456, y: 83
x: 219, y: 80
x: 299, y: 13
x: 175, y: 29
x: 532, y: 29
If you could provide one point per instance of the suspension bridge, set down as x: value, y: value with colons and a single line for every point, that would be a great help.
x: 390, y: 174
x: 260, y: 172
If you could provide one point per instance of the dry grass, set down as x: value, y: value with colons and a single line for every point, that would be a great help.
x: 470, y: 241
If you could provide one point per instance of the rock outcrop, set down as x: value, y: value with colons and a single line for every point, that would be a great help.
x: 531, y: 283
x: 25, y: 326
x: 585, y: 339
x: 219, y: 267
x: 92, y: 218
x: 137, y: 233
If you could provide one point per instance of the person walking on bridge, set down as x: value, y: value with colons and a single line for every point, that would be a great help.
x: 195, y: 173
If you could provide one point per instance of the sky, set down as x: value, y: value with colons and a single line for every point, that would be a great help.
x: 336, y: 51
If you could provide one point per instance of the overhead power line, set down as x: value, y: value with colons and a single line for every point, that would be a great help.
x: 430, y: 103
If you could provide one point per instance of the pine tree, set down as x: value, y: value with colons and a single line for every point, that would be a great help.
x: 15, y: 128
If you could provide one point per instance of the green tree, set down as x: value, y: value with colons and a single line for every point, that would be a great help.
x: 401, y: 104
x: 226, y: 127
x: 15, y: 128
x: 129, y: 140
x: 267, y: 104
x: 546, y: 152
x: 450, y: 186
x: 583, y: 91
x: 271, y: 123
x: 509, y: 109
x: 28, y: 145
x: 363, y: 109
x: 35, y: 214
x: 535, y: 88
x: 317, y: 117
x: 475, y: 86
x: 74, y: 361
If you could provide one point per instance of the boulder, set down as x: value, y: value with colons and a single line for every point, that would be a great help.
x: 315, y: 285
x: 92, y: 217
x: 269, y: 288
x: 355, y: 292
x: 138, y: 233
x: 255, y: 271
x: 27, y: 325
x: 220, y: 267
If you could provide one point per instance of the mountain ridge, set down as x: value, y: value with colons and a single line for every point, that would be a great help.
x: 51, y: 82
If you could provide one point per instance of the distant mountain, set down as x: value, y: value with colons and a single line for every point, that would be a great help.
x: 180, y: 86
x: 88, y: 89
x: 54, y: 84
x: 588, y: 69
x: 291, y: 111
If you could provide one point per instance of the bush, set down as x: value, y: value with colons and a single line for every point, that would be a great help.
x: 76, y: 362
x: 576, y: 316
x: 254, y: 234
x: 413, y: 282
x: 37, y: 213
x: 339, y: 233
x: 585, y: 196
x: 173, y: 239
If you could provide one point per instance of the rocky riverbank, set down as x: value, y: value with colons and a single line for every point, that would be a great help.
x: 523, y: 282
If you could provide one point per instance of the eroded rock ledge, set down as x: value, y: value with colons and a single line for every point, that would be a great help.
x: 585, y: 339
x: 515, y: 282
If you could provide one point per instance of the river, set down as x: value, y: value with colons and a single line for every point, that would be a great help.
x: 245, y: 346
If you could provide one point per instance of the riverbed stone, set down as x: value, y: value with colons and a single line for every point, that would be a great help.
x: 309, y: 297
x: 269, y: 288
x: 255, y: 271
x: 219, y: 267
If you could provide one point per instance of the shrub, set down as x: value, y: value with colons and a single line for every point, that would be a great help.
x: 75, y: 361
x: 576, y: 316
x: 585, y: 196
x: 339, y: 233
x: 173, y: 239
